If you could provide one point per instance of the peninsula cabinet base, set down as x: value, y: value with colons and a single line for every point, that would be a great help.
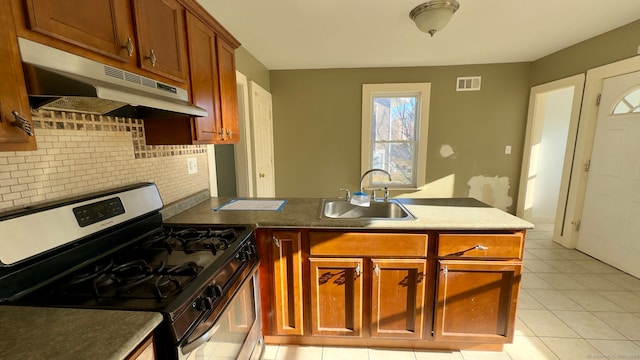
x: 380, y: 343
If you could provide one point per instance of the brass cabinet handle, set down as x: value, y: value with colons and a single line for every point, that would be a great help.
x: 152, y: 57
x: 276, y: 242
x: 261, y: 175
x: 230, y: 133
x: 129, y: 47
x: 358, y: 270
x: 22, y: 123
x: 376, y: 270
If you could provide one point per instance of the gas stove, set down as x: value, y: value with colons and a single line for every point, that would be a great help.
x: 112, y: 251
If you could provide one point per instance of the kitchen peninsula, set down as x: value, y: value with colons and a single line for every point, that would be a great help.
x: 447, y: 280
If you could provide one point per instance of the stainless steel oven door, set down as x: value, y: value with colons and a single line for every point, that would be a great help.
x: 237, y: 333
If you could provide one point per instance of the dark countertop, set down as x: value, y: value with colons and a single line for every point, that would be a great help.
x: 432, y: 214
x: 56, y: 333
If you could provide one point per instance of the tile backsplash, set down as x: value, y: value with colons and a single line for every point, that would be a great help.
x: 81, y: 153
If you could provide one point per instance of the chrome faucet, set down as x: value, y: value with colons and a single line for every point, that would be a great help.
x: 370, y: 171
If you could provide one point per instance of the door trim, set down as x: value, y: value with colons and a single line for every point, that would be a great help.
x: 535, y: 124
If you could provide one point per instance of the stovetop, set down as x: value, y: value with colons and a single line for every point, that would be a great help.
x: 154, y: 273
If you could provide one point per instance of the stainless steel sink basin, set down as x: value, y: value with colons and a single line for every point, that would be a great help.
x: 378, y: 210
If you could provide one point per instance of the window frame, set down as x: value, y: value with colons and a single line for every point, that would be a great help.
x: 423, y: 92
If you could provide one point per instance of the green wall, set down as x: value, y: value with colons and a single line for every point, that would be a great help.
x: 317, y: 116
x: 612, y: 46
x: 252, y: 68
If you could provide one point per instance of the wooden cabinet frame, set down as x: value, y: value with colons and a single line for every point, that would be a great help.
x: 122, y: 33
x: 107, y: 31
x: 336, y: 296
x: 13, y: 92
x: 398, y: 292
x: 287, y: 269
x: 363, y: 288
x: 476, y: 300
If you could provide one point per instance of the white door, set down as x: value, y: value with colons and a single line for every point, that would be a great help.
x: 261, y: 115
x: 610, y: 225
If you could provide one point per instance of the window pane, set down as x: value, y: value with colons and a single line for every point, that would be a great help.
x: 395, y: 157
x: 394, y: 118
x: 630, y: 103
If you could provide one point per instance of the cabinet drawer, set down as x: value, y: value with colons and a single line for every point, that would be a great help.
x: 368, y: 244
x: 502, y: 246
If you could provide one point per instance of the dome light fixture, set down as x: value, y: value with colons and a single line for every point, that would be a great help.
x: 433, y: 15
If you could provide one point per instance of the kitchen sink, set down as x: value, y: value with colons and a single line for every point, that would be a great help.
x: 378, y: 210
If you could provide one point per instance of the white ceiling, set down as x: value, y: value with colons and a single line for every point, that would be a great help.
x: 305, y: 34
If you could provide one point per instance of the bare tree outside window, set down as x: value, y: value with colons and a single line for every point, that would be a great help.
x: 395, y: 123
x: 394, y: 138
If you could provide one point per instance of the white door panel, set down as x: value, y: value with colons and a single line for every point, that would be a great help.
x: 611, y: 216
x: 261, y: 113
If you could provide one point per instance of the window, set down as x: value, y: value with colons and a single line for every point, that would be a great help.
x: 395, y: 120
x: 630, y: 103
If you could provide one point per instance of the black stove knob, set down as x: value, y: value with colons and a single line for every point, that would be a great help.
x: 212, y: 292
x: 217, y: 290
x: 202, y: 304
x: 208, y: 302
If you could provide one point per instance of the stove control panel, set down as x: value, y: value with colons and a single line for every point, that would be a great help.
x: 98, y: 211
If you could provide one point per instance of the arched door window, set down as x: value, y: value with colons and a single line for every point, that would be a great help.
x: 629, y: 103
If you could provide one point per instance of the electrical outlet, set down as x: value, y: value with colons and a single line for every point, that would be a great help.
x: 507, y: 149
x: 192, y: 166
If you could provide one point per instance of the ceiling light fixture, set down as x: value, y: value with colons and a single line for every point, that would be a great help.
x: 433, y: 15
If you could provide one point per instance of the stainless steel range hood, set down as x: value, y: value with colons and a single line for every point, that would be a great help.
x: 58, y: 80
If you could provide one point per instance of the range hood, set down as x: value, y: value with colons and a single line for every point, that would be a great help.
x: 58, y: 80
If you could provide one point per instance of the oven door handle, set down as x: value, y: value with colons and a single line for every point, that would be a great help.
x: 187, y: 348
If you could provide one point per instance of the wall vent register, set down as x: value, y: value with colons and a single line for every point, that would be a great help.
x: 469, y: 83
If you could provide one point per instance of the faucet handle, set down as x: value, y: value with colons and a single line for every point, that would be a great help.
x: 347, y: 194
x: 386, y: 193
x: 373, y: 193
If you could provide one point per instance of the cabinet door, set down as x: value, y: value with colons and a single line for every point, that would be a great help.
x: 287, y: 277
x: 205, y: 91
x: 161, y: 37
x: 398, y: 298
x: 228, y: 92
x: 336, y: 296
x: 476, y: 300
x: 13, y: 93
x: 102, y: 26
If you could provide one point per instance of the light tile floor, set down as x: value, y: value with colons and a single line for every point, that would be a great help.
x: 571, y: 307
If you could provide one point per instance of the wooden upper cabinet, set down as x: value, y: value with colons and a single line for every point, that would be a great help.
x: 205, y: 91
x: 336, y: 296
x: 476, y: 300
x: 102, y: 26
x: 13, y: 94
x: 398, y: 287
x: 228, y: 92
x: 160, y: 31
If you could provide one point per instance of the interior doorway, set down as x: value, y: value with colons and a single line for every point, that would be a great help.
x: 244, y: 166
x: 552, y: 125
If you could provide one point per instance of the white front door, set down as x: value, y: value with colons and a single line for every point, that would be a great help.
x: 261, y: 114
x: 610, y: 225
